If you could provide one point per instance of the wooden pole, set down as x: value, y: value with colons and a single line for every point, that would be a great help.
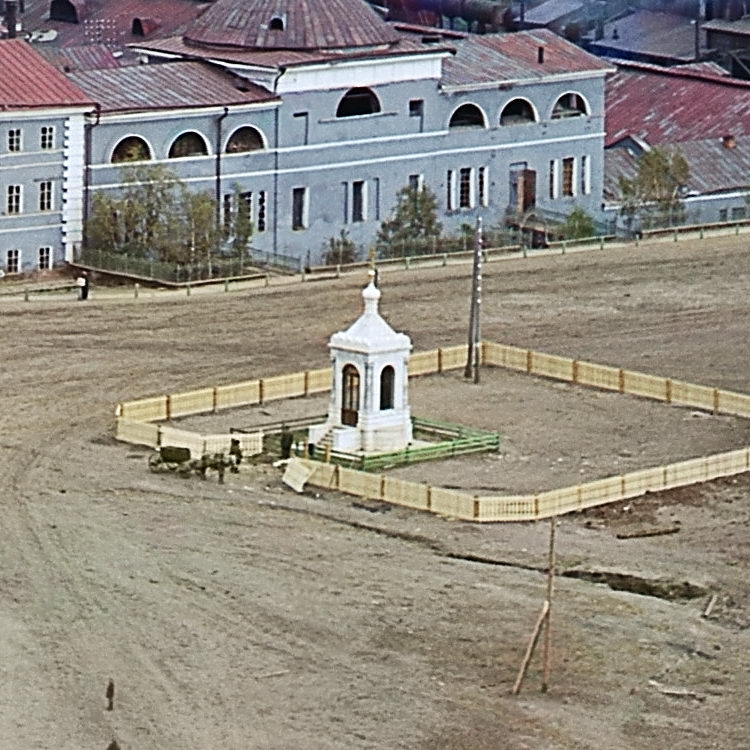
x: 476, y: 286
x: 550, y: 590
x: 530, y: 648
x: 478, y: 302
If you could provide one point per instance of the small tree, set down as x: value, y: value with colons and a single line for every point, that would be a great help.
x: 241, y: 226
x: 662, y: 173
x: 414, y: 219
x: 339, y: 250
x: 199, y: 236
x: 577, y: 225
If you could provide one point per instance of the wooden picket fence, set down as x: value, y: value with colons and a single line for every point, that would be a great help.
x: 135, y: 424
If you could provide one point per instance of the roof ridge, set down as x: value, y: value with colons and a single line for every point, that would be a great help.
x: 675, y: 72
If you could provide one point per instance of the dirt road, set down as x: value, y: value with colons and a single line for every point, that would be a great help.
x: 241, y: 616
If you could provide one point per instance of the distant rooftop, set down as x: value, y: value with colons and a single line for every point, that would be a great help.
x: 551, y: 10
x: 29, y: 81
x: 644, y: 33
x: 114, y: 23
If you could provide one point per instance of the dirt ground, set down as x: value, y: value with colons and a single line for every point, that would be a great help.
x: 244, y: 616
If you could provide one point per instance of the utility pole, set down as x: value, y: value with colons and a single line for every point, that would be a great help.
x: 473, y: 354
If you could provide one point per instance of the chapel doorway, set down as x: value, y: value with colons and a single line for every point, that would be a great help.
x: 350, y: 396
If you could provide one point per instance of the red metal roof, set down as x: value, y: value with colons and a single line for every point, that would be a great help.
x: 28, y: 80
x: 110, y: 22
x: 276, y: 59
x: 511, y: 57
x: 669, y: 105
x: 173, y: 85
x: 85, y: 57
x: 303, y: 25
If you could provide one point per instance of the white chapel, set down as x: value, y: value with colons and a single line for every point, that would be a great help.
x: 369, y: 409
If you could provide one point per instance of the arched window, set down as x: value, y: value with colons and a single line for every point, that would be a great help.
x: 350, y: 396
x: 276, y: 24
x: 467, y: 116
x: 387, y: 384
x: 358, y: 101
x: 131, y: 148
x: 188, y: 144
x: 569, y: 105
x: 517, y: 112
x: 245, y: 139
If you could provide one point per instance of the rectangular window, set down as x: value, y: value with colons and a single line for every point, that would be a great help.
x: 450, y: 190
x: 299, y: 208
x: 14, y: 139
x: 553, y: 188
x: 482, y: 193
x: 585, y: 175
x: 246, y: 205
x: 45, y: 258
x: 416, y: 107
x: 13, y: 261
x: 568, y: 165
x: 13, y: 202
x: 261, y: 226
x: 739, y: 212
x: 376, y: 183
x: 416, y: 181
x: 47, y: 140
x: 464, y: 188
x: 358, y: 200
x: 45, y: 195
x: 723, y: 214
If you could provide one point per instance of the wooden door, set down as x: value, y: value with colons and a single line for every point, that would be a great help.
x: 350, y: 396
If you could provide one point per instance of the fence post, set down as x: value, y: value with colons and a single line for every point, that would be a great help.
x: 135, y: 290
x: 215, y: 399
x: 187, y: 289
x: 601, y: 242
x: 701, y: 233
x: 440, y: 360
x: 563, y: 247
x: 668, y: 394
x: 338, y: 270
x: 226, y: 285
x: 575, y: 370
x: 260, y: 391
x: 26, y: 295
x: 266, y: 279
x: 445, y: 259
x: 406, y: 262
x: 736, y: 228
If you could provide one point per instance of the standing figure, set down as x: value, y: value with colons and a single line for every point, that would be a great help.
x: 86, y: 286
x: 110, y: 695
x: 287, y: 438
x: 235, y: 456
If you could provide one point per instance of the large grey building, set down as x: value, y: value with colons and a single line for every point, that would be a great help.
x: 320, y: 112
x: 359, y: 108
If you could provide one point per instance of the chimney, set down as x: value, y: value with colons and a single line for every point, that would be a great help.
x: 540, y: 55
x: 11, y: 17
x: 728, y: 141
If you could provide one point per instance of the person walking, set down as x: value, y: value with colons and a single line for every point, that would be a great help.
x: 110, y: 695
x: 83, y: 284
